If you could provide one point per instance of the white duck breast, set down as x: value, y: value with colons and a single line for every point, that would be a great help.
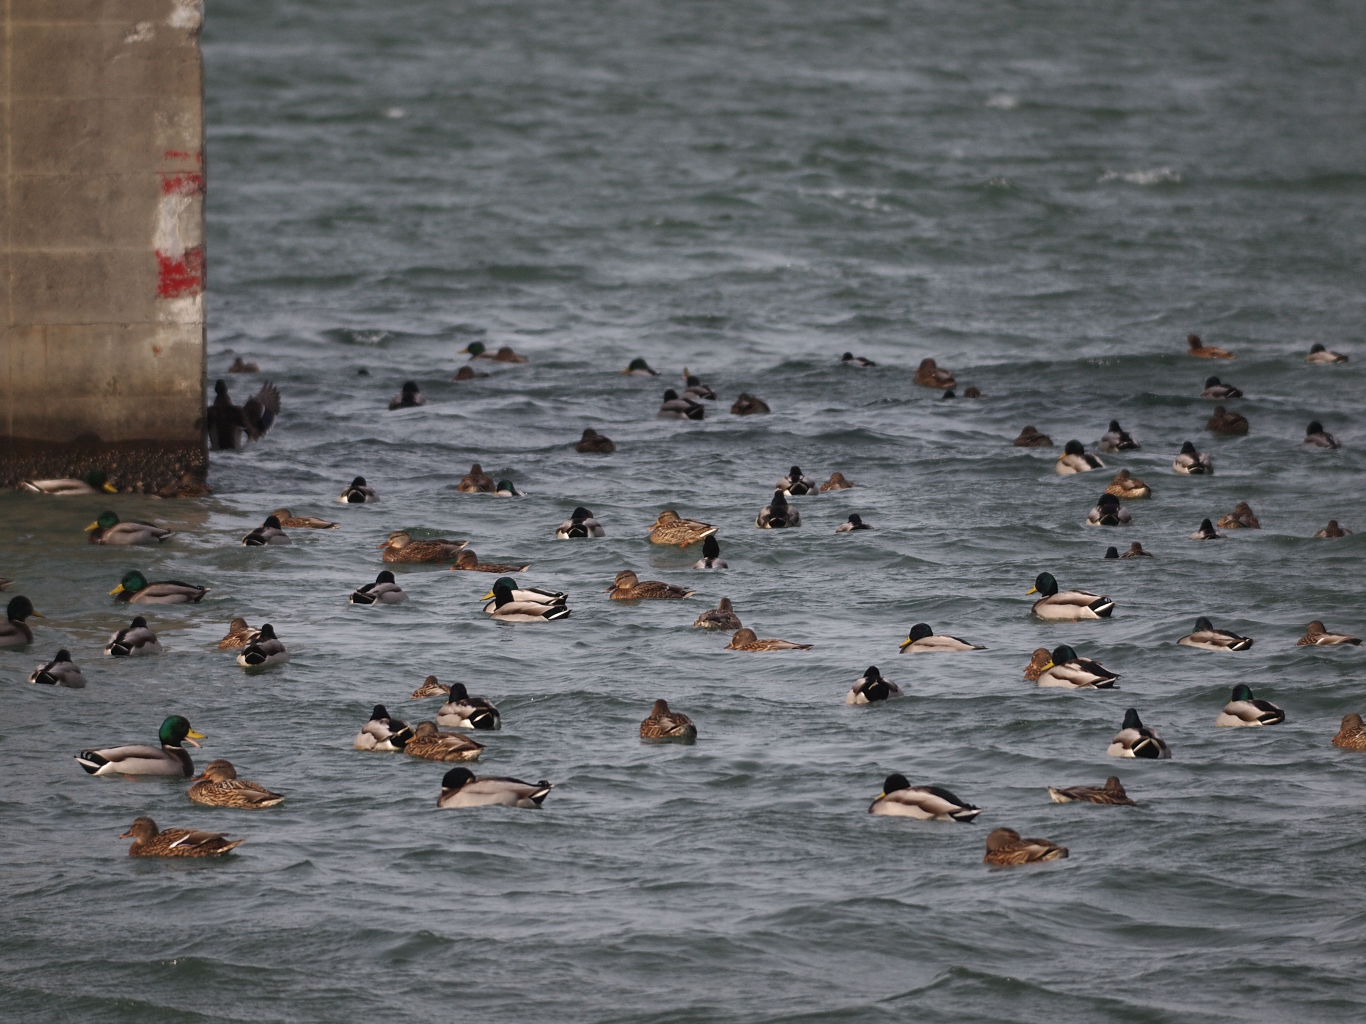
x: 141, y: 759
x: 1207, y: 638
x: 927, y: 803
x: 265, y: 651
x: 60, y: 671
x: 461, y: 788
x: 1243, y: 709
x: 138, y: 638
x: 872, y: 688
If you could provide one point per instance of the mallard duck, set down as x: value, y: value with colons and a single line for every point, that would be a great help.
x: 431, y: 687
x: 384, y: 590
x: 460, y: 787
x: 265, y: 651
x: 239, y: 635
x: 1207, y: 638
x: 1319, y: 353
x: 1117, y: 439
x: 92, y: 483
x: 468, y: 373
x: 60, y: 671
x: 139, y: 759
x: 672, y: 407
x: 461, y: 711
x: 148, y: 841
x: 1317, y: 635
x: 1006, y: 849
x: 1316, y: 437
x: 1040, y: 660
x: 1206, y: 532
x: 476, y: 481
x: 190, y: 484
x: 746, y: 640
x: 1068, y: 605
x: 854, y: 522
x: 1135, y: 739
x: 871, y: 687
x: 929, y: 375
x: 1333, y: 530
x: 1216, y: 390
x: 1108, y: 512
x: 1112, y: 793
x: 749, y: 405
x: 1352, y: 734
x: 696, y: 390
x: 1031, y: 437
x: 1189, y: 462
x: 228, y: 424
x: 293, y: 522
x: 14, y: 631
x: 579, y: 524
x: 431, y: 744
x: 358, y: 492
x: 269, y: 532
x: 135, y: 588
x: 1111, y: 552
x: 948, y: 395
x: 593, y: 442
x: 778, y: 514
x: 973, y: 392
x: 711, y: 556
x: 721, y: 617
x: 478, y: 350
x: 1225, y: 422
x: 401, y: 547
x: 108, y: 529
x: 468, y: 561
x: 665, y: 726
x: 1136, y: 551
x: 382, y: 732
x: 668, y: 528
x: 1241, y: 518
x: 849, y: 359
x: 530, y: 605
x: 505, y: 489
x: 137, y: 638
x: 410, y: 395
x: 218, y: 786
x: 1243, y: 709
x: 1065, y: 669
x: 928, y: 803
x: 1196, y: 347
x: 638, y: 367
x: 795, y: 483
x: 1076, y: 459
x: 837, y: 482
x: 240, y: 365
x: 924, y: 640
x: 629, y: 587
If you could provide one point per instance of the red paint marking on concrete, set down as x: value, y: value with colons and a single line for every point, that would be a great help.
x: 183, y: 154
x: 187, y: 183
x: 182, y: 275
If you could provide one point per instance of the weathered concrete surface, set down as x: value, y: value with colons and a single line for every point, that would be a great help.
x: 101, y: 240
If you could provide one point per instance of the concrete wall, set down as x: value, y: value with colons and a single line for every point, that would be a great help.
x: 101, y: 240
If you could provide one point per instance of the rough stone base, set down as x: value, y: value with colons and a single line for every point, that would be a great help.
x: 150, y: 467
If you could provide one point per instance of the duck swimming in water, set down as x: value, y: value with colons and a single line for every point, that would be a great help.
x: 721, y: 617
x: 1317, y: 635
x: 854, y: 522
x: 594, y: 443
x: 711, y: 555
x: 170, y: 758
x: 924, y: 640
x: 476, y: 481
x: 1196, y: 347
x: 401, y: 547
x: 1190, y: 462
x: 778, y: 514
x: 109, y: 529
x: 358, y: 492
x: 1316, y: 437
x: 672, y: 407
x: 229, y: 425
x: 579, y: 524
x: 409, y: 397
x: 1206, y: 532
x: 136, y: 639
x: 1217, y: 390
x: 929, y: 375
x: 629, y: 587
x: 1068, y: 605
x: 1136, y: 551
x: 1076, y: 459
x: 1243, y: 709
x: 1241, y: 518
x: 927, y: 803
x: 384, y: 590
x: 1319, y: 353
x: 664, y: 725
x: 60, y: 671
x: 1065, y: 669
x: 837, y: 482
x: 1225, y: 422
x: 749, y: 405
x: 1207, y: 638
x: 871, y: 688
x: 1136, y: 740
x: 1333, y: 530
x: 149, y: 841
x: 849, y: 359
x: 14, y: 631
x: 639, y: 368
x: 92, y: 483
x: 1029, y: 437
x: 1108, y: 512
x: 1006, y: 848
x: 669, y: 528
x: 1117, y: 439
x: 795, y: 483
x: 746, y: 640
x: 1111, y: 793
x: 134, y: 587
x: 1128, y: 487
x: 478, y: 350
x: 269, y: 532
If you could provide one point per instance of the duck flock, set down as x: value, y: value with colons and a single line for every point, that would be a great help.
x: 525, y: 602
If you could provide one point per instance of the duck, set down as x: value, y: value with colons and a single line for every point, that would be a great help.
x: 973, y: 392
x: 1317, y: 635
x: 1136, y: 551
x: 928, y: 803
x: 60, y: 671
x: 109, y: 529
x: 1031, y: 437
x: 1352, y: 734
x: 721, y: 617
x: 1206, y: 532
x: 711, y: 556
x: 696, y: 390
x: 929, y: 375
x: 476, y: 481
x: 468, y: 561
x: 1117, y: 439
x: 382, y: 732
x: 218, y: 786
x: 638, y: 367
x: 384, y: 590
x: 1316, y: 437
x: 674, y: 408
x: 468, y: 372
x: 1111, y: 552
x: 228, y: 424
x: 579, y: 524
x: 1007, y: 849
x: 746, y: 640
x: 269, y: 532
x: 149, y: 841
x: 1040, y: 660
x: 505, y: 354
x: 837, y: 482
x: 531, y: 605
x: 1068, y: 605
x: 749, y: 405
x: 1243, y: 709
x: 668, y: 528
x: 461, y: 711
x: 137, y: 638
x: 408, y: 397
x: 871, y: 687
x: 854, y: 522
x: 92, y: 483
x: 1108, y: 512
x: 431, y: 687
x: 593, y: 442
x: 924, y: 640
x: 239, y: 635
x: 1241, y: 518
x: 1207, y: 638
x: 240, y: 365
x: 290, y: 521
x: 1111, y: 792
x: 170, y: 758
x: 629, y: 587
x: 1076, y: 459
x: 265, y: 651
x: 665, y: 726
x: 1189, y: 462
x: 778, y: 514
x: 505, y: 489
x: 431, y: 744
x: 1136, y: 740
x: 14, y: 631
x: 135, y: 588
x: 1066, y: 669
x: 401, y: 547
x: 358, y: 492
x: 1196, y: 347
x: 1333, y: 530
x: 1217, y: 390
x: 1225, y: 422
x: 460, y: 787
x: 858, y: 362
x: 795, y: 483
x: 1320, y: 353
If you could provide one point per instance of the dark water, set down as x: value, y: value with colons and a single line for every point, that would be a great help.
x: 1046, y: 198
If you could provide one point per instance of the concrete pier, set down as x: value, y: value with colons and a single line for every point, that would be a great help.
x: 102, y: 240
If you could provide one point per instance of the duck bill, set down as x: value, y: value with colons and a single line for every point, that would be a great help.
x: 116, y: 591
x: 193, y: 735
x: 383, y: 545
x: 1032, y: 590
x: 1051, y: 664
x: 487, y: 597
x: 905, y: 643
x: 109, y: 488
x: 37, y: 614
x: 126, y: 835
x: 92, y: 527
